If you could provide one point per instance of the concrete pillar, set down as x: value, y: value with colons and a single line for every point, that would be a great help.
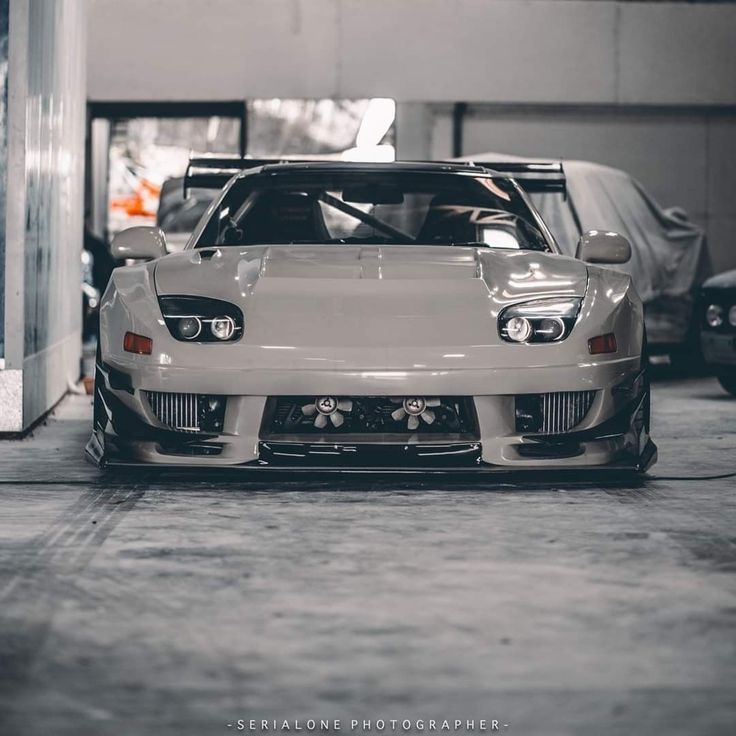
x: 40, y: 266
x: 4, y: 23
x: 13, y: 48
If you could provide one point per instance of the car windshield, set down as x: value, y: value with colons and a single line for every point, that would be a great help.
x: 370, y: 207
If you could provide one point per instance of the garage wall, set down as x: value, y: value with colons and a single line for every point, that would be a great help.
x: 413, y: 50
x: 42, y: 271
x: 684, y: 156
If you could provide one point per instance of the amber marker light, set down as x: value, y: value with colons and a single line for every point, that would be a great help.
x: 602, y: 344
x: 138, y: 344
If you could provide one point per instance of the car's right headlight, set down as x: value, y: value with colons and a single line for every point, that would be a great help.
x: 539, y: 321
x: 200, y: 319
x: 714, y: 315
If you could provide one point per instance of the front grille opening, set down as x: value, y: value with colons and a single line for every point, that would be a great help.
x: 369, y: 455
x: 190, y: 413
x: 552, y: 413
x: 369, y: 415
x: 190, y: 449
x: 550, y: 450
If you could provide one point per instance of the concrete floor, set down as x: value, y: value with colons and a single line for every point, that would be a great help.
x: 132, y: 607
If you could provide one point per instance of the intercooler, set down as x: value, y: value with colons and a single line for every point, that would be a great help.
x: 181, y: 412
x: 552, y: 413
x: 192, y: 413
x: 563, y: 411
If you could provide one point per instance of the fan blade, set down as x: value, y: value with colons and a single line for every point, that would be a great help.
x: 337, y: 419
x: 308, y: 410
x: 413, y: 423
x: 428, y: 416
x: 398, y: 414
x: 395, y: 400
x: 433, y: 402
x: 345, y: 405
x: 320, y: 422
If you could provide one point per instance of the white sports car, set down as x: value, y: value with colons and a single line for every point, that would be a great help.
x: 390, y: 317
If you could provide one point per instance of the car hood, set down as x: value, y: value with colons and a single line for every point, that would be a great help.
x: 307, y: 295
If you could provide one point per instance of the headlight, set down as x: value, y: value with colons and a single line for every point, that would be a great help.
x: 543, y: 320
x: 714, y: 315
x: 732, y: 316
x: 188, y: 327
x: 222, y: 328
x: 199, y: 319
x: 519, y: 329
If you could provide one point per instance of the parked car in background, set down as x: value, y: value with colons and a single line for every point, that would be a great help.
x: 718, y: 327
x: 177, y: 214
x: 670, y: 256
x: 97, y: 265
x: 90, y: 298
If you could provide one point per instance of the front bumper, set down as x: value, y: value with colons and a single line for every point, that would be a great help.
x: 612, y: 435
x: 719, y: 348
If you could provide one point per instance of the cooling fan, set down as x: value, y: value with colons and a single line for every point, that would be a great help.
x: 417, y: 409
x: 328, y: 409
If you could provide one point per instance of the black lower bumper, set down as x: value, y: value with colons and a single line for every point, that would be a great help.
x: 453, y: 455
x: 624, y: 469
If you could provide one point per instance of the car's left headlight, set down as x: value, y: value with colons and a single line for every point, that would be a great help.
x: 200, y: 319
x: 541, y: 320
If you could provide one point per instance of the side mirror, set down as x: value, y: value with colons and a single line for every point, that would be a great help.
x: 144, y: 243
x: 600, y: 246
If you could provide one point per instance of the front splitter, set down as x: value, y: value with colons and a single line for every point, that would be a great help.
x: 614, y: 472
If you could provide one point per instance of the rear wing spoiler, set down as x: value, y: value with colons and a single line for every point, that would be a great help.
x: 213, y: 172
x: 532, y: 176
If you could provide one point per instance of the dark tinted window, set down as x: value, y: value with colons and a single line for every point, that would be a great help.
x: 373, y: 207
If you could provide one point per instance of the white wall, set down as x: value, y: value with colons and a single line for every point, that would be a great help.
x: 413, y: 50
x: 721, y: 172
x: 42, y: 270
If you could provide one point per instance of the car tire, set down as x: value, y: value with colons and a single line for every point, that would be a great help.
x: 728, y: 381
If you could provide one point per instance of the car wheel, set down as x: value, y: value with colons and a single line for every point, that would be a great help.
x: 728, y: 381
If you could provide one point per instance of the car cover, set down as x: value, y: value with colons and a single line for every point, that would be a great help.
x: 670, y: 256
